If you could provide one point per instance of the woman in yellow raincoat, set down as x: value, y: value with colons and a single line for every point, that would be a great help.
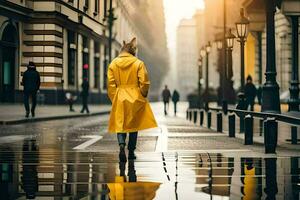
x: 128, y: 86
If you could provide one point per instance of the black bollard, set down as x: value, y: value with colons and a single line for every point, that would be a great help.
x: 201, y: 117
x: 271, y: 188
x: 231, y: 125
x: 195, y: 113
x: 294, y: 134
x: 209, y: 119
x: 261, y: 125
x: 219, y: 122
x: 270, y: 135
x: 187, y: 114
x: 248, y: 130
x: 242, y: 124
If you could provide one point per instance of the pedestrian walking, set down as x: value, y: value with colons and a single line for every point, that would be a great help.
x: 175, y: 99
x: 250, y: 93
x: 166, y: 95
x: 84, y: 95
x: 31, y: 82
x: 128, y: 86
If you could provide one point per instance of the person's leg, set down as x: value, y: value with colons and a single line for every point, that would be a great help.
x: 132, y: 144
x: 252, y: 106
x: 121, y: 138
x: 33, y: 98
x: 86, y: 105
x: 165, y: 109
x: 83, y: 104
x: 122, y: 142
x: 175, y: 107
x: 26, y: 103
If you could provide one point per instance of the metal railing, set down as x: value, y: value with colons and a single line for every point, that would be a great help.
x: 268, y: 122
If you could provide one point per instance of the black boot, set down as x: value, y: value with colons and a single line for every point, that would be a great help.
x: 27, y: 114
x: 122, y: 155
x: 131, y: 155
x: 32, y: 113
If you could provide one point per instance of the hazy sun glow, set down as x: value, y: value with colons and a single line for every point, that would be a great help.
x: 175, y: 10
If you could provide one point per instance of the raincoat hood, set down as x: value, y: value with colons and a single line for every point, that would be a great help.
x: 125, y: 60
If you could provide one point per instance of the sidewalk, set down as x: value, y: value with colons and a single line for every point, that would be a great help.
x: 15, y: 113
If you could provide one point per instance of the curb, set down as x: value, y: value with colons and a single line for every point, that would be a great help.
x: 30, y: 120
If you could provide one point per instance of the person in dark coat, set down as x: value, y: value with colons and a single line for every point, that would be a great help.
x: 84, y: 95
x: 250, y: 93
x: 175, y: 99
x: 31, y: 82
x: 166, y: 95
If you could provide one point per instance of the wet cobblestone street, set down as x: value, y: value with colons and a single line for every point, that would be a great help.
x: 78, y: 159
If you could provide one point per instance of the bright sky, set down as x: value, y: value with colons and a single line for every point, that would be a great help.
x: 175, y: 10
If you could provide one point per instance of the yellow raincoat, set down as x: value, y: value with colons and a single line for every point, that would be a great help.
x: 128, y: 86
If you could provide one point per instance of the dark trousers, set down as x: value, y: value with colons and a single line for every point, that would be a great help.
x: 175, y: 107
x: 85, y: 104
x: 27, y: 95
x: 132, y: 140
x: 166, y: 107
x: 251, y: 104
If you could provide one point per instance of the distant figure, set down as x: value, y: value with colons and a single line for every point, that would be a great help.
x: 250, y: 93
x: 31, y: 82
x: 175, y: 99
x: 166, y: 94
x: 84, y: 95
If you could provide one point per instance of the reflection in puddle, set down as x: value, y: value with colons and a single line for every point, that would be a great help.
x: 49, y: 171
x: 132, y: 189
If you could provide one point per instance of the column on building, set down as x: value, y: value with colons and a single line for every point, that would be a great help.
x: 97, y: 66
x: 80, y: 61
x: 91, y: 64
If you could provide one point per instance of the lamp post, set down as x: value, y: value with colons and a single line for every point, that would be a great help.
x: 270, y: 90
x: 207, y: 49
x: 242, y: 31
x: 199, y: 80
x: 230, y: 42
x: 220, y: 69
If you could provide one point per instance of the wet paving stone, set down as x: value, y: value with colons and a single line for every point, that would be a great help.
x: 78, y: 159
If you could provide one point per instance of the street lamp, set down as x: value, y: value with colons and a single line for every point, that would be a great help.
x: 199, y: 80
x: 242, y: 31
x: 230, y: 37
x: 219, y: 44
x: 207, y: 51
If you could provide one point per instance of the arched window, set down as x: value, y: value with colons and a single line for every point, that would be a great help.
x: 9, y: 34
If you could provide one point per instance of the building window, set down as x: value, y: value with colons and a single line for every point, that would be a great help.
x: 71, y: 57
x: 86, y: 5
x: 85, y: 59
x: 104, y: 9
x: 97, y: 65
x: 96, y: 11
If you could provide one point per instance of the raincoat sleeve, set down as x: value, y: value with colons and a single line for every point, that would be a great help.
x: 112, y: 87
x: 143, y: 79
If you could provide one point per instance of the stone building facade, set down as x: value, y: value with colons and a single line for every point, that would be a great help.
x: 67, y: 40
x: 186, y: 57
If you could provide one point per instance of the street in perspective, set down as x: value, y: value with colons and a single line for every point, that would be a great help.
x: 149, y: 99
